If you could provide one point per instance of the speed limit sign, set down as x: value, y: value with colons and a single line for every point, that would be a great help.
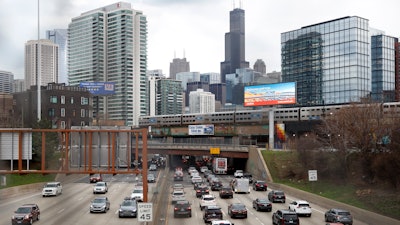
x: 312, y: 175
x: 145, y: 212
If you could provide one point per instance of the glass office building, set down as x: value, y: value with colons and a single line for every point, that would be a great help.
x: 383, y: 68
x: 329, y: 61
x: 110, y: 44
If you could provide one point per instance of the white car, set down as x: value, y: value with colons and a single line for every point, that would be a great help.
x: 207, y: 200
x: 100, y: 187
x: 177, y: 195
x: 197, y: 179
x: 52, y: 189
x: 203, y: 169
x: 301, y: 207
x: 221, y: 222
x: 238, y: 173
x: 137, y: 194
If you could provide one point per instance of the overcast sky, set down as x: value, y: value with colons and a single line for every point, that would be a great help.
x: 191, y: 28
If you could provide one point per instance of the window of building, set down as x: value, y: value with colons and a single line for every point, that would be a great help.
x: 62, y: 100
x: 51, y: 112
x: 72, y: 100
x: 82, y: 123
x: 62, y: 112
x: 53, y: 99
x: 82, y: 112
x: 84, y: 101
x: 62, y: 124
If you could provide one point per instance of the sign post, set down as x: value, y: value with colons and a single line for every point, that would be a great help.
x: 145, y: 212
x: 312, y: 176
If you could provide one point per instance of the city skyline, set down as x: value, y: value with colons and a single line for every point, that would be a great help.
x: 190, y: 34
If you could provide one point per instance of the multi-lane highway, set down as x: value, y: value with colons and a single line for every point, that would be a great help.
x: 72, y: 207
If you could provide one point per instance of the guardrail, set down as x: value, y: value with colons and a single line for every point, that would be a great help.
x: 205, y: 147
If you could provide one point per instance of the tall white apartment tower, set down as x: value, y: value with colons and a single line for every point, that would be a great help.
x: 109, y: 44
x: 48, y: 61
x: 59, y: 37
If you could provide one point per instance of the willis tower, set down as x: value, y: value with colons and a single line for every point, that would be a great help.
x: 234, y: 45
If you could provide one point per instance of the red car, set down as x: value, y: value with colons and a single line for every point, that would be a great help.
x: 26, y: 214
x: 95, y: 178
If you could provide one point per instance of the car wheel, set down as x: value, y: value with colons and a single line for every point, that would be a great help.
x: 38, y: 217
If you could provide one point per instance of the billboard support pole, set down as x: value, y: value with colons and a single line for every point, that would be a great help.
x: 271, y: 128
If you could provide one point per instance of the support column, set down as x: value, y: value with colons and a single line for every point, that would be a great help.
x: 271, y: 129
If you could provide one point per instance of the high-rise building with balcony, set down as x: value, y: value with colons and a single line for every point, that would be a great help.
x: 109, y: 44
x: 201, y: 101
x: 59, y: 37
x: 234, y: 44
x: 48, y: 59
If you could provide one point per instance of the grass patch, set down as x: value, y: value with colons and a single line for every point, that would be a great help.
x: 16, y: 180
x: 369, y: 197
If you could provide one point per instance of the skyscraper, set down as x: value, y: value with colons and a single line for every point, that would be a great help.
x: 383, y: 71
x: 6, y: 82
x: 234, y: 45
x: 110, y: 44
x: 329, y: 61
x: 259, y: 66
x: 48, y: 62
x: 59, y: 37
x: 177, y: 66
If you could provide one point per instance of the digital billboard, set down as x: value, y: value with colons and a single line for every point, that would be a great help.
x: 270, y: 94
x: 99, y: 88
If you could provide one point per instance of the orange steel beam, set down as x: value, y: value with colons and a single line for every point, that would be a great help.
x: 43, y: 151
x: 65, y: 167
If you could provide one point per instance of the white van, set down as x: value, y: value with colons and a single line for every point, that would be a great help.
x: 52, y: 188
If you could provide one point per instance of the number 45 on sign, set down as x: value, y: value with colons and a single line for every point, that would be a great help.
x: 145, y: 212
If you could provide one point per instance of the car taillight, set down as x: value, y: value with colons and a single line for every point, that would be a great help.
x: 175, y: 208
x: 189, y: 208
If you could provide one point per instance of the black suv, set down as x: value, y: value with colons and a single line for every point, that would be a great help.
x: 212, y: 213
x: 182, y: 208
x: 216, y: 186
x: 26, y: 214
x: 277, y: 196
x: 226, y: 192
x: 284, y: 217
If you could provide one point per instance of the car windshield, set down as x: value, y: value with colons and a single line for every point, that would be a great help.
x: 208, y: 198
x: 23, y: 210
x: 290, y: 217
x: 278, y: 193
x: 304, y: 205
x: 178, y: 193
x: 100, y: 184
x: 344, y: 213
x: 99, y: 200
x: 128, y: 203
x: 238, y: 207
x: 263, y: 200
x: 51, y: 185
x: 137, y: 191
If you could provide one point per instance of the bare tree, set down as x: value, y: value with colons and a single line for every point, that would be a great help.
x: 356, y: 129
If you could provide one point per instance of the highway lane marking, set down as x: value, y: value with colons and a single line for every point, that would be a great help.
x: 60, y: 211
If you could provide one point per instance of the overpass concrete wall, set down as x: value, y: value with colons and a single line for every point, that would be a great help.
x: 256, y: 164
